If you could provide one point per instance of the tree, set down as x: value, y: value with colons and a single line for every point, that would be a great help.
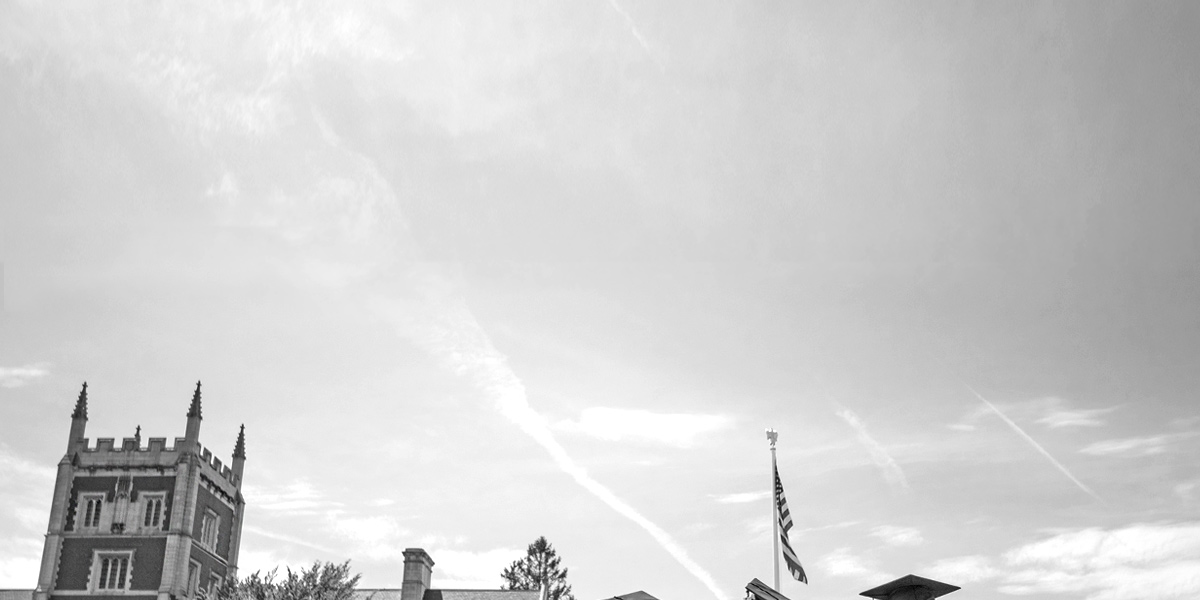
x: 539, y: 566
x: 322, y: 581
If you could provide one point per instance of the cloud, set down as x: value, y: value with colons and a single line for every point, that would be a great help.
x: 841, y: 525
x: 620, y: 424
x: 1059, y: 419
x: 19, y: 570
x: 891, y: 471
x: 1158, y: 561
x: 15, y: 377
x: 1050, y: 411
x: 843, y: 563
x: 741, y: 497
x: 1137, y: 562
x: 13, y: 466
x: 377, y: 537
x: 478, y: 570
x: 898, y: 536
x: 298, y: 498
x: 285, y: 538
x: 963, y: 569
x: 1136, y: 446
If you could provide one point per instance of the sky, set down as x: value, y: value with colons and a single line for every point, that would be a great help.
x: 472, y: 273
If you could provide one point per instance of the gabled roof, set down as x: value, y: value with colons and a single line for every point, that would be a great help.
x: 638, y: 595
x: 394, y: 594
x: 762, y: 591
x: 482, y: 595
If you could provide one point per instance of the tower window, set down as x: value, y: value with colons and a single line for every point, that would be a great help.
x: 91, y: 503
x: 208, y: 530
x: 193, y: 582
x: 152, y: 516
x: 112, y: 571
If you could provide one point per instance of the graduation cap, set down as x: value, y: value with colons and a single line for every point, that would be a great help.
x: 910, y: 587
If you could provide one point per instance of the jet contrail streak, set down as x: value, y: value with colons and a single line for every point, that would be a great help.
x: 879, y: 455
x: 1033, y: 442
x: 457, y: 339
x: 634, y: 30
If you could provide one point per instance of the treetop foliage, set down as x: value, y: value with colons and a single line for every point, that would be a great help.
x: 539, y: 566
x: 322, y: 581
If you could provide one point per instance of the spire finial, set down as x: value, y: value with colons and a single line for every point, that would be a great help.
x: 81, y: 404
x: 137, y: 435
x: 194, y: 409
x: 239, y: 449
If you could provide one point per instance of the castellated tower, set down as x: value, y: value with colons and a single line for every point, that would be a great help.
x: 152, y: 522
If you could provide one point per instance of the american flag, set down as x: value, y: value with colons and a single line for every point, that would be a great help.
x: 785, y: 524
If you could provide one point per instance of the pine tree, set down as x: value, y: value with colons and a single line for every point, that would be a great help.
x: 539, y: 566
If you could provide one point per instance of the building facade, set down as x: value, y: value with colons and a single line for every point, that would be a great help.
x: 153, y: 522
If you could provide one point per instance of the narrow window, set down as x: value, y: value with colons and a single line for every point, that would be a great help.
x: 208, y: 530
x: 153, y: 516
x: 193, y: 578
x: 91, y: 509
x: 112, y: 571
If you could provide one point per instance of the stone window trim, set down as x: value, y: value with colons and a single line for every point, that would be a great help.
x: 210, y: 527
x: 153, y: 511
x: 214, y: 583
x: 193, y: 580
x: 112, y: 572
x: 90, y: 511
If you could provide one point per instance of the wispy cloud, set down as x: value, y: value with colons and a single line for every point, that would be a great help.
x: 1060, y: 419
x: 468, y: 569
x: 842, y: 562
x: 1050, y: 411
x: 898, y: 536
x: 891, y: 470
x: 741, y: 497
x: 296, y: 498
x: 377, y: 537
x: 618, y: 424
x: 1141, y: 561
x: 633, y: 29
x: 1136, y: 446
x: 840, y: 525
x: 290, y: 539
x: 1158, y: 561
x: 452, y: 334
x: 14, y: 377
x: 14, y: 467
x: 1033, y: 443
x: 963, y: 569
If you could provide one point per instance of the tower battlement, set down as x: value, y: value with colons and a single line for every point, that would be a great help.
x: 105, y: 453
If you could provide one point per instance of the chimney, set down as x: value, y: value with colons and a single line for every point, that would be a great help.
x: 418, y: 569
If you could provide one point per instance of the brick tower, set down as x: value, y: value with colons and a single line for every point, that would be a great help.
x: 142, y: 523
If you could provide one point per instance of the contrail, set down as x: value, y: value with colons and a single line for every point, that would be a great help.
x: 457, y: 339
x: 634, y: 30
x: 1033, y: 442
x: 879, y: 454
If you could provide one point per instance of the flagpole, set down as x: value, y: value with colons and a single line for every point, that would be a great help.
x: 773, y: 436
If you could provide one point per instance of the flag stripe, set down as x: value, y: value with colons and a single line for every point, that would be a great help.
x: 785, y: 524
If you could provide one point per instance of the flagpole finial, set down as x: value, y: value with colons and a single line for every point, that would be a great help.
x: 772, y: 436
